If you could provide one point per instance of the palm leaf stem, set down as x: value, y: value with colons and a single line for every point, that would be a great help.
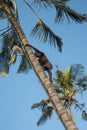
x: 3, y: 29
x: 32, y: 9
x: 6, y: 31
x: 71, y: 113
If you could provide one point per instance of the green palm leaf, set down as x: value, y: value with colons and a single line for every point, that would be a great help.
x: 68, y: 78
x: 58, y: 90
x: 8, y: 40
x: 77, y: 72
x: 45, y: 109
x: 84, y: 115
x: 79, y: 106
x: 46, y: 3
x: 46, y: 114
x: 2, y: 14
x: 5, y: 30
x: 41, y: 105
x: 9, y: 36
x: 82, y: 82
x: 4, y: 58
x: 59, y: 78
x: 41, y: 3
x: 24, y: 66
x: 11, y: 42
x: 67, y: 87
x: 36, y: 105
x: 42, y: 32
x: 4, y: 55
x: 63, y: 10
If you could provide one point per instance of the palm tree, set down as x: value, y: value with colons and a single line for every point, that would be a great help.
x: 7, y: 11
x: 68, y: 84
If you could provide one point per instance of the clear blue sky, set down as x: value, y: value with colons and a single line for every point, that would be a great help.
x: 19, y: 91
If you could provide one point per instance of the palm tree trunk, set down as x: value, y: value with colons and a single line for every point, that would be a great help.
x: 58, y: 106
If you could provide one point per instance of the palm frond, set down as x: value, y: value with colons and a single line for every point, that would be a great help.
x: 24, y: 66
x: 4, y: 54
x: 41, y: 105
x: 77, y: 72
x: 75, y: 91
x: 79, y: 106
x: 46, y: 114
x: 68, y: 73
x: 73, y: 77
x: 42, y: 32
x: 4, y: 58
x: 48, y: 3
x: 62, y: 10
x: 2, y: 14
x: 10, y: 3
x: 5, y: 31
x: 8, y: 40
x: 84, y: 115
x: 58, y: 90
x: 4, y: 69
x: 36, y: 105
x: 82, y: 82
x: 64, y: 0
x: 9, y: 36
x: 73, y: 101
x: 12, y: 59
x: 67, y: 78
x: 10, y: 46
x: 17, y: 49
x: 41, y: 3
x: 59, y: 78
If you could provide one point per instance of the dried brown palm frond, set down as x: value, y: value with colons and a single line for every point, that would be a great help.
x: 17, y: 49
x: 12, y: 59
x: 4, y: 69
